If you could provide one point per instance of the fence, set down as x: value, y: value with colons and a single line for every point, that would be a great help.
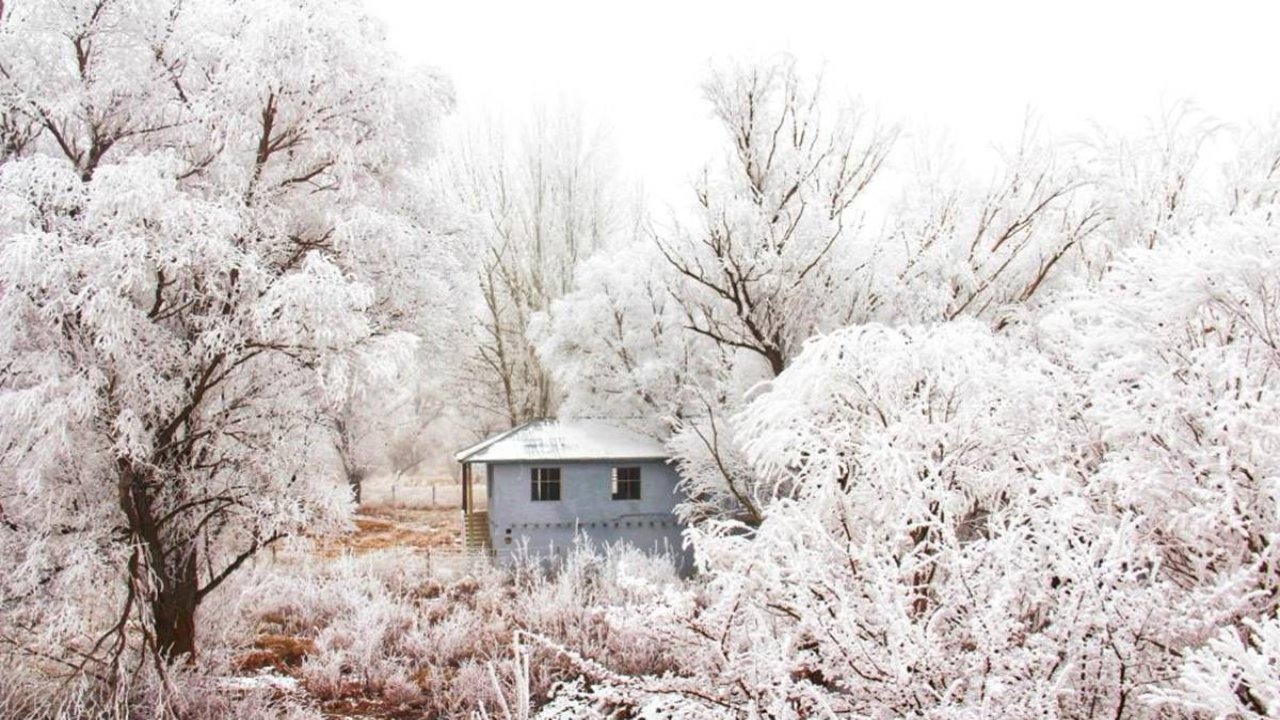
x: 416, y: 492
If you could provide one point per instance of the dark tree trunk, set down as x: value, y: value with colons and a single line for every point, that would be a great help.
x: 166, y: 566
x: 777, y: 363
x: 174, y: 609
x: 355, y: 478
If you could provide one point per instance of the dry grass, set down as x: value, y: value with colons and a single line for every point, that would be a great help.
x: 276, y: 652
x: 374, y: 633
x: 386, y: 528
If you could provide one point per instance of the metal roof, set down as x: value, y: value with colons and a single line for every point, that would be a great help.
x: 565, y: 440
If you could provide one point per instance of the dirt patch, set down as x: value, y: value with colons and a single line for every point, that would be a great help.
x: 276, y: 652
x: 378, y: 526
x: 385, y: 528
x: 354, y: 708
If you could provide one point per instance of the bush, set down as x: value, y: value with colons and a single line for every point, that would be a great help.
x: 381, y: 630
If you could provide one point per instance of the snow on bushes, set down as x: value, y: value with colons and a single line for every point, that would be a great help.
x: 1070, y: 518
x: 382, y: 631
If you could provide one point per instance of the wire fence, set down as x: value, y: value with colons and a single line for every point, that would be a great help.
x: 416, y: 492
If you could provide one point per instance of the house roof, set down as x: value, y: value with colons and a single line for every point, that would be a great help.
x: 564, y: 440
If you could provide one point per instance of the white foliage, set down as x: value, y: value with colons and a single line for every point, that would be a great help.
x: 205, y: 214
x: 1069, y: 520
x: 1236, y: 674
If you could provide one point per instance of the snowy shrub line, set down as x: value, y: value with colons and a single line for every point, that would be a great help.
x: 382, y: 629
x: 380, y: 634
x: 1071, y: 517
x: 1013, y: 453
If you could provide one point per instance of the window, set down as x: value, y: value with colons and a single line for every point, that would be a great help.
x: 626, y: 483
x: 546, y: 483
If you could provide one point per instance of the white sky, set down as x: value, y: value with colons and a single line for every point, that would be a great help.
x: 971, y: 67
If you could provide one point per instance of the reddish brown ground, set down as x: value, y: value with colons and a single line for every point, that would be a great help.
x: 378, y: 527
x: 386, y: 528
x: 356, y: 708
x: 276, y: 652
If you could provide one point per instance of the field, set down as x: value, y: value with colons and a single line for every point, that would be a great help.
x: 414, y: 513
x: 405, y: 558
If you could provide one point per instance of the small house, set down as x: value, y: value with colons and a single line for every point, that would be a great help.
x: 548, y: 481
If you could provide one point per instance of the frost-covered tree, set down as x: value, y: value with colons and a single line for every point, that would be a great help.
x: 618, y: 345
x: 956, y: 248
x: 774, y: 254
x: 1237, y: 674
x: 1074, y: 518
x: 387, y: 402
x: 1253, y: 175
x: 1052, y: 217
x: 702, y: 311
x: 904, y: 476
x: 206, y: 209
x: 1179, y: 356
x: 365, y: 414
x: 542, y: 202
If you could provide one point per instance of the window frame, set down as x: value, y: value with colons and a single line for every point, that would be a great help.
x: 619, y: 487
x: 541, y: 484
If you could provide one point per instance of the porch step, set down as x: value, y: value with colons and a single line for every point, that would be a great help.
x: 475, y: 534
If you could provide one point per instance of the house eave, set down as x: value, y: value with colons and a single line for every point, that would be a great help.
x: 545, y: 460
x: 462, y: 455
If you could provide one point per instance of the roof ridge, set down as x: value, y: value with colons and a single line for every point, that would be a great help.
x: 576, y: 438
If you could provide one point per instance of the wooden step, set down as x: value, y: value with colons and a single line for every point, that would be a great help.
x: 475, y: 534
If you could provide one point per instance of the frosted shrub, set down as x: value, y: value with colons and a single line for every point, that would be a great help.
x: 378, y: 628
x: 1236, y: 674
x: 1073, y: 518
x: 326, y: 675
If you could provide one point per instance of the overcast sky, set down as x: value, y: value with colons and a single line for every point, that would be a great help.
x: 973, y: 68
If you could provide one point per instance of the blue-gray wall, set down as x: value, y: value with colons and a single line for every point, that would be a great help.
x: 586, y: 505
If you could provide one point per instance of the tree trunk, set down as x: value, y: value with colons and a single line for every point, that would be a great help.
x: 173, y: 609
x: 355, y: 478
x: 167, y: 567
